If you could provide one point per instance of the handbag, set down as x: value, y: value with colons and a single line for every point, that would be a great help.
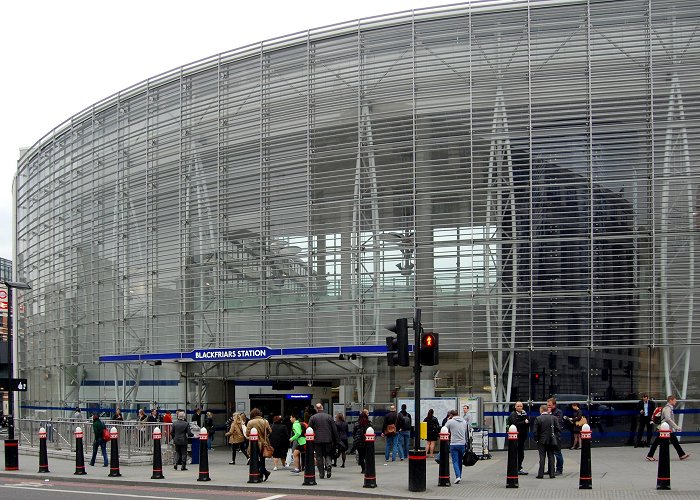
x: 267, y: 451
x: 469, y: 458
x: 554, y: 439
x: 105, y: 435
x: 390, y: 430
x: 581, y: 422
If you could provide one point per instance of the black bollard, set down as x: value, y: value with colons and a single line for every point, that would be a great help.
x: 43, y: 453
x: 663, y: 477
x: 203, y: 456
x: 310, y: 463
x: 416, y: 469
x: 512, y: 470
x: 444, y: 468
x: 79, y: 453
x: 585, y: 480
x: 370, y: 469
x: 253, y: 470
x: 157, y: 457
x: 11, y: 454
x: 114, y: 458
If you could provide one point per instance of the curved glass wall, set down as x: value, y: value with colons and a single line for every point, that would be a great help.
x: 526, y: 174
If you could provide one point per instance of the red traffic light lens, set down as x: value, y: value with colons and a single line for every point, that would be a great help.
x: 428, y: 341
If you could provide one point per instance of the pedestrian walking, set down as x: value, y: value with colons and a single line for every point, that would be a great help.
x: 279, y: 439
x: 326, y: 436
x: 98, y: 428
x: 667, y: 416
x: 342, y: 426
x: 298, y: 442
x: 459, y: 436
x: 358, y: 439
x: 236, y: 435
x: 258, y: 423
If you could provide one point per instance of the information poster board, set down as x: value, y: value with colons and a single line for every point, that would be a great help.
x: 440, y: 407
x: 339, y: 408
x: 475, y: 410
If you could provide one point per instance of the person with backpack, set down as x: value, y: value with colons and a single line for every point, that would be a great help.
x: 390, y: 430
x: 645, y: 409
x: 98, y: 428
x: 433, y: 433
x: 666, y: 415
x: 405, y: 431
x: 358, y: 438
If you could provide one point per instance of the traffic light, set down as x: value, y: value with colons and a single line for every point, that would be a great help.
x: 429, y: 353
x: 536, y: 378
x: 397, y: 347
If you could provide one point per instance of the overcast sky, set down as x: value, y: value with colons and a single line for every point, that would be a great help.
x: 61, y: 57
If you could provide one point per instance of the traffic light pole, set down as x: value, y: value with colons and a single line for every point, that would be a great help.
x: 417, y: 457
x: 416, y: 376
x: 10, y: 398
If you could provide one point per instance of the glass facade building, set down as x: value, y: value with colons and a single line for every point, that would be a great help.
x: 525, y: 173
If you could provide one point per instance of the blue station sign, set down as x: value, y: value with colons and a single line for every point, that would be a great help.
x: 243, y: 354
x: 248, y: 353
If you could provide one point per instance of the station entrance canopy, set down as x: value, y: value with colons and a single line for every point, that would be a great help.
x: 249, y: 354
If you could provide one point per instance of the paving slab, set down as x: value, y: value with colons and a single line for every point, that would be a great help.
x: 618, y: 473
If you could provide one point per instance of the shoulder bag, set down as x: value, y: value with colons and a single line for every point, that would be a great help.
x: 554, y: 439
x: 470, y: 458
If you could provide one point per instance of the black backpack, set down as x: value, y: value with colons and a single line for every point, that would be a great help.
x: 434, y: 425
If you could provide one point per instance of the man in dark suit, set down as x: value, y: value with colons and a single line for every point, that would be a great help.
x: 645, y: 408
x: 548, y: 437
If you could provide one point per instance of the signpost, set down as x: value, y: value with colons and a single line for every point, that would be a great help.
x: 13, y: 384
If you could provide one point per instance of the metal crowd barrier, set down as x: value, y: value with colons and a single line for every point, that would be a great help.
x: 135, y: 439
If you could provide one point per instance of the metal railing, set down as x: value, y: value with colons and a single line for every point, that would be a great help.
x: 135, y: 441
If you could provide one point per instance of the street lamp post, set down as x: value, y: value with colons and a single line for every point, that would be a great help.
x: 11, y: 285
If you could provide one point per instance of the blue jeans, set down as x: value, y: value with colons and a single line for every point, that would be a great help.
x: 560, y: 461
x: 99, y: 443
x: 391, y: 445
x: 404, y: 443
x: 456, y: 454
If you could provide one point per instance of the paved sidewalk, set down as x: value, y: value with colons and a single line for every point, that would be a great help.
x: 619, y: 473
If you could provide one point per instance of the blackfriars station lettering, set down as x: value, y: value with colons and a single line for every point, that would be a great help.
x: 232, y: 354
